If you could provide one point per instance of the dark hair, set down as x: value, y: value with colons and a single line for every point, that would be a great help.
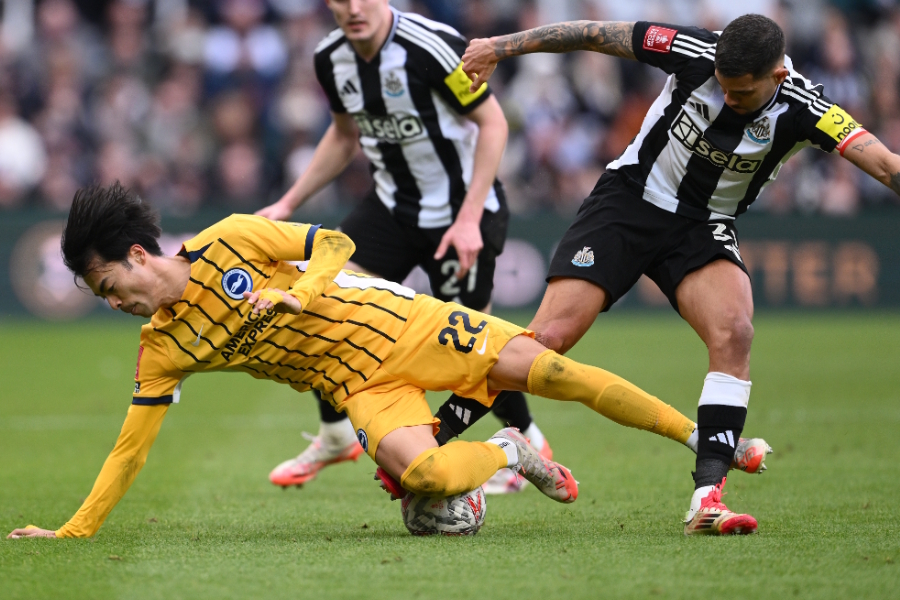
x: 750, y: 44
x: 104, y: 222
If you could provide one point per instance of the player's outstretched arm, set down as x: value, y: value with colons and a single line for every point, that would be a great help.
x: 334, y: 152
x: 873, y: 157
x: 606, y: 37
x: 118, y: 473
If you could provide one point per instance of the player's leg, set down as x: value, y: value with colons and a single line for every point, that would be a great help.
x: 525, y: 364
x: 396, y: 429
x: 717, y: 302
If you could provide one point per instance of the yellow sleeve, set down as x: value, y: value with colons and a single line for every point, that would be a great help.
x: 118, y: 472
x: 330, y: 252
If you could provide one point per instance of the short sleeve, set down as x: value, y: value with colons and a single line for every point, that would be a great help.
x: 156, y: 378
x: 831, y: 129
x: 325, y: 75
x: 436, y: 54
x: 673, y: 48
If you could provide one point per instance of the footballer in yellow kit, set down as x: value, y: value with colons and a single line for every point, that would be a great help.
x: 231, y: 300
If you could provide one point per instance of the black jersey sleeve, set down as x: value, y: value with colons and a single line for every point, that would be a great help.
x: 673, y: 48
x: 823, y: 123
x: 436, y: 53
x: 325, y: 75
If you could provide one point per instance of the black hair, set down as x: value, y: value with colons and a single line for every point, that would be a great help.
x: 751, y: 44
x: 104, y: 223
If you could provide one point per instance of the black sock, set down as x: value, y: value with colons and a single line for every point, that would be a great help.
x: 718, y: 429
x: 512, y: 409
x: 458, y: 414
x: 327, y: 412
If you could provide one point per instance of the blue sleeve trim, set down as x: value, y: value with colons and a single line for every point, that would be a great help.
x: 196, y: 254
x: 310, y: 236
x: 152, y: 401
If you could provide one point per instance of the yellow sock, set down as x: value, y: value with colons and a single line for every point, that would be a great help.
x: 453, y: 469
x: 560, y: 378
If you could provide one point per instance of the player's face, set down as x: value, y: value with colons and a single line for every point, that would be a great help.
x: 127, y: 286
x: 747, y: 94
x: 360, y: 20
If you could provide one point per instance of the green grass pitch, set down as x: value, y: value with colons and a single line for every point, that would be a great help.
x: 202, y: 521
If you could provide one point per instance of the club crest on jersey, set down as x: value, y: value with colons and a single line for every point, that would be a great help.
x: 393, y: 87
x: 584, y: 257
x: 760, y: 131
x: 235, y: 282
x: 363, y: 439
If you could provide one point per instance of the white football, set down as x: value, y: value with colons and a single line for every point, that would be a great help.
x: 462, y: 514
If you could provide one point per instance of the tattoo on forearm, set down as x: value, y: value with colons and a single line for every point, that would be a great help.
x: 861, y: 147
x: 607, y: 37
x: 895, y: 183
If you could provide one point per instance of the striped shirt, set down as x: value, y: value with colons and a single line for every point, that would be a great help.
x: 334, y: 345
x: 696, y: 157
x: 410, y: 103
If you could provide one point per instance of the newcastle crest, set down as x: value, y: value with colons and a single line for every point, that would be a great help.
x: 584, y: 257
x: 760, y: 131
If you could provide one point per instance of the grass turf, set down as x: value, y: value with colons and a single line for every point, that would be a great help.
x: 202, y: 521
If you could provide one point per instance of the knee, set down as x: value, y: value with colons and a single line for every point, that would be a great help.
x: 733, y: 336
x: 430, y: 477
x: 559, y: 336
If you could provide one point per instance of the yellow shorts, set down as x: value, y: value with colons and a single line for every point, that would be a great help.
x: 444, y: 346
x: 385, y: 403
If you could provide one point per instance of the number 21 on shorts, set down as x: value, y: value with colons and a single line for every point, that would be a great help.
x: 450, y: 333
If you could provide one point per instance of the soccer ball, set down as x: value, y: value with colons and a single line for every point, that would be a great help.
x: 462, y: 514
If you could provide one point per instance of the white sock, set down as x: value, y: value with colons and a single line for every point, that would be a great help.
x: 696, y: 499
x: 338, y: 435
x: 692, y: 441
x: 509, y: 448
x: 725, y: 390
x: 535, y: 436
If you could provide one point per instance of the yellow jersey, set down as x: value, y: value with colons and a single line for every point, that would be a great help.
x: 333, y: 346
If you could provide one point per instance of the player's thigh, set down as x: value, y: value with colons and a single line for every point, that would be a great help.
x: 717, y: 301
x: 383, y: 247
x: 568, y: 309
x: 383, y: 405
x: 473, y: 290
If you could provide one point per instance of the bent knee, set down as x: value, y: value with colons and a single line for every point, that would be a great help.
x: 431, y: 477
x: 734, y: 336
x: 559, y: 336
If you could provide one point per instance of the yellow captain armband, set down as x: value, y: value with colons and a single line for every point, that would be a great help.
x: 840, y: 126
x: 459, y: 83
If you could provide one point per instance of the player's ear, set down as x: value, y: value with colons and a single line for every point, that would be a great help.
x: 781, y: 73
x: 137, y: 254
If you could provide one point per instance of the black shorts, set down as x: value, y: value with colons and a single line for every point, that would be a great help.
x: 618, y: 236
x: 391, y: 250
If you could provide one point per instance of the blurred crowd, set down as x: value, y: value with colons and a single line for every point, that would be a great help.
x: 215, y: 104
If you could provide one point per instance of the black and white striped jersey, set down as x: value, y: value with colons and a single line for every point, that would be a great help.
x: 695, y: 156
x: 410, y: 104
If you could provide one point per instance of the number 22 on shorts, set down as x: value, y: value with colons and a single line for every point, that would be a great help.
x: 450, y: 333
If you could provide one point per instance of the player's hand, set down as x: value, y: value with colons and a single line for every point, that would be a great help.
x: 279, y: 211
x: 465, y: 237
x: 273, y: 298
x: 31, y: 532
x: 479, y: 62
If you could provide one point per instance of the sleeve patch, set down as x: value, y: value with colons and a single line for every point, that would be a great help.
x: 459, y: 84
x: 837, y: 124
x: 659, y: 39
x: 310, y: 238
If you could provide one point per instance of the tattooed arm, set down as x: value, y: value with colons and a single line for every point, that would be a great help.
x: 608, y: 37
x: 873, y: 157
